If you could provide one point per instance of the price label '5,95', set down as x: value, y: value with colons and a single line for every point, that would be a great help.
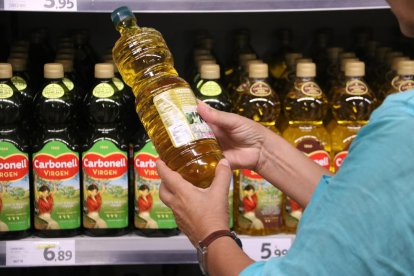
x: 28, y: 253
x: 40, y: 5
x: 260, y: 249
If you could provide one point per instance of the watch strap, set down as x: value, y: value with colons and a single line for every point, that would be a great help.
x: 218, y: 234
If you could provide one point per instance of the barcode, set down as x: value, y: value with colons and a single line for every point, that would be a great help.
x: 180, y: 134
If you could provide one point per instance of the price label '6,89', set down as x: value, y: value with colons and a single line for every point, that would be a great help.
x: 56, y: 252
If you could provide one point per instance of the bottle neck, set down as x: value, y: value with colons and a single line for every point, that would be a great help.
x: 352, y: 78
x: 126, y: 24
x: 305, y: 79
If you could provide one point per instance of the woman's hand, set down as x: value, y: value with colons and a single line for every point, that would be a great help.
x: 241, y: 139
x: 198, y: 212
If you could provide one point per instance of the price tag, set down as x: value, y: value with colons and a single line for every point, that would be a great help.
x: 264, y: 248
x: 40, y: 5
x: 26, y: 253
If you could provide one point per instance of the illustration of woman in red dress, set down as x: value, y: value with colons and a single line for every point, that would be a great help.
x: 144, y: 203
x: 45, y: 202
x: 3, y: 226
x: 250, y: 203
x: 93, y: 204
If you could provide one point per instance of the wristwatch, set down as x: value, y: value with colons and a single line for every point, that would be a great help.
x: 202, y: 246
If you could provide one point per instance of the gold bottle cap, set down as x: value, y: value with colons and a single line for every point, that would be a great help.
x: 391, y: 55
x: 304, y: 60
x: 258, y: 70
x: 344, y: 61
x: 6, y: 71
x: 306, y: 70
x: 53, y: 71
x: 67, y: 64
x: 202, y: 57
x: 346, y: 55
x: 104, y: 71
x: 333, y: 52
x: 18, y: 64
x: 406, y: 67
x: 111, y: 61
x: 210, y: 71
x: 246, y: 57
x: 355, y: 69
x: 246, y: 66
x: 396, y: 61
x: 205, y: 61
x: 291, y: 58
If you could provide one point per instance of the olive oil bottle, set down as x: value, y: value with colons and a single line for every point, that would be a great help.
x: 165, y: 103
x: 404, y: 80
x: 257, y: 203
x: 105, y: 158
x: 305, y: 107
x: 152, y: 218
x: 14, y: 161
x: 210, y: 90
x: 56, y: 168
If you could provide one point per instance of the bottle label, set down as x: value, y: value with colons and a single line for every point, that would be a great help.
x: 118, y: 83
x: 56, y: 187
x: 294, y: 213
x: 105, y: 186
x: 260, y: 203
x: 311, y: 89
x: 53, y: 91
x: 356, y: 88
x: 69, y: 83
x: 210, y: 89
x: 260, y: 89
x: 5, y: 91
x: 19, y: 82
x: 103, y: 90
x: 405, y: 85
x: 14, y: 189
x: 314, y: 149
x: 178, y: 111
x: 150, y: 211
x: 339, y: 159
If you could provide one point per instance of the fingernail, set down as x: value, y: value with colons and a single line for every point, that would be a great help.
x: 224, y: 162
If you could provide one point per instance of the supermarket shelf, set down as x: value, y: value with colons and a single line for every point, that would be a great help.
x: 192, y: 6
x: 129, y: 249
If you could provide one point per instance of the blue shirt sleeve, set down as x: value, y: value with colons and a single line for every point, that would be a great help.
x: 359, y: 222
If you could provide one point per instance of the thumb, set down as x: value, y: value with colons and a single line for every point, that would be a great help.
x: 221, y: 182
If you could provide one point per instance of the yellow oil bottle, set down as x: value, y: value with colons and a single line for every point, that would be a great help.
x: 165, y: 103
x: 405, y: 78
x: 305, y: 107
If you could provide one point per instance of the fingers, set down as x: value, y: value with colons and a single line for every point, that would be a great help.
x: 166, y: 195
x: 222, y: 177
x: 216, y: 117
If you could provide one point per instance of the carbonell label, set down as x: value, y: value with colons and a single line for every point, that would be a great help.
x: 14, y: 189
x: 150, y: 211
x: 105, y: 186
x: 56, y: 187
x: 314, y: 149
x: 356, y: 88
x: 339, y: 159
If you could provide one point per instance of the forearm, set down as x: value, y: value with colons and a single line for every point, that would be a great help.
x: 289, y: 169
x: 226, y: 258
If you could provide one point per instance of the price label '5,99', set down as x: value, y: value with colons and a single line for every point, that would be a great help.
x: 260, y: 249
x: 24, y: 253
x: 40, y: 5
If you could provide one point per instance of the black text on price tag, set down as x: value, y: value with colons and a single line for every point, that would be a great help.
x: 260, y: 249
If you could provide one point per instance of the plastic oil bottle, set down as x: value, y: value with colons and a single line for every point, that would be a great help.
x: 257, y: 203
x: 14, y: 161
x: 151, y: 216
x: 305, y: 107
x: 105, y: 158
x: 210, y: 89
x: 351, y: 107
x: 56, y: 178
x: 405, y: 78
x: 165, y: 103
